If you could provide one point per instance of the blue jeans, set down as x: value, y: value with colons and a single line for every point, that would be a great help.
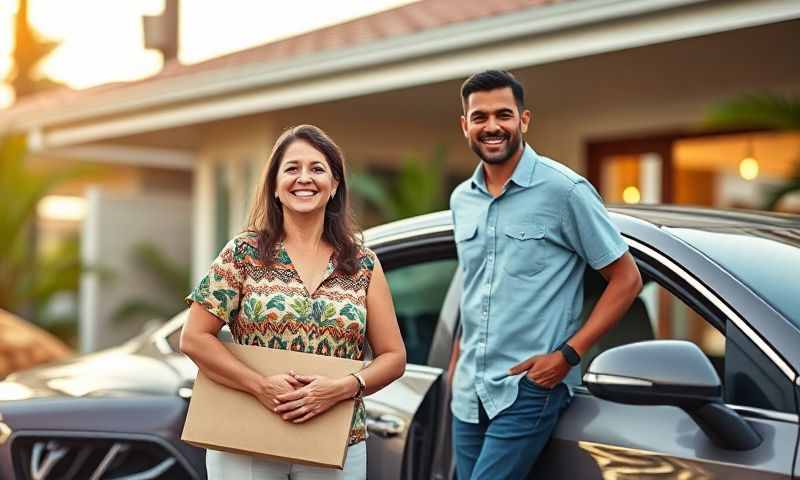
x: 507, y: 446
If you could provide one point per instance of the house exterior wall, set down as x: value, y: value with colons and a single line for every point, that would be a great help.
x: 115, y: 223
x: 230, y: 158
x: 643, y: 90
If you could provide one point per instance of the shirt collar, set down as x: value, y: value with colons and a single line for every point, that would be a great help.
x: 523, y: 173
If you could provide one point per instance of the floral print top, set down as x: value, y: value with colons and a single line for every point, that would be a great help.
x: 271, y: 307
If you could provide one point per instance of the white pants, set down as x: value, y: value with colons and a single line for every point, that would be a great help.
x: 223, y: 465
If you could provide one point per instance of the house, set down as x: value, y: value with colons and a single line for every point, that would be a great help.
x: 618, y: 91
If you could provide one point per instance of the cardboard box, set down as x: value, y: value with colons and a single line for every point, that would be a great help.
x: 222, y: 418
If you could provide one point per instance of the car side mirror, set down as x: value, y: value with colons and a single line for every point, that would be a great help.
x: 675, y: 373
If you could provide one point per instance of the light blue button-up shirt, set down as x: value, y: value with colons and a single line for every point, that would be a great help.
x: 523, y: 255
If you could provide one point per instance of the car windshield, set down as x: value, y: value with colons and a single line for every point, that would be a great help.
x: 766, y: 260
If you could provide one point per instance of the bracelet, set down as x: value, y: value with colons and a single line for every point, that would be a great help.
x: 361, y: 385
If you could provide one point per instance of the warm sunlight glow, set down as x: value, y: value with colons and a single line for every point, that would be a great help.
x: 6, y: 65
x: 209, y: 29
x: 6, y: 45
x: 6, y: 95
x: 14, y: 391
x: 631, y: 195
x: 102, y: 41
x: 748, y: 168
x: 64, y: 208
x: 6, y: 30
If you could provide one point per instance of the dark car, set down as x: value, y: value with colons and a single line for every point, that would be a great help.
x: 698, y: 380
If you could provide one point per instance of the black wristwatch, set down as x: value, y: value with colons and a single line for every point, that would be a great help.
x: 570, y: 354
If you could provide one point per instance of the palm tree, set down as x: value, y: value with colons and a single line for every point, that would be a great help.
x: 757, y: 111
x: 418, y: 188
x: 762, y: 111
x: 27, y: 280
x: 29, y: 50
x: 169, y: 276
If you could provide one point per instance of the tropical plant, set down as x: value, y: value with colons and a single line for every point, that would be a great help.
x: 756, y: 111
x: 29, y: 50
x: 417, y: 188
x: 31, y: 280
x: 28, y: 280
x: 169, y: 277
x: 766, y: 111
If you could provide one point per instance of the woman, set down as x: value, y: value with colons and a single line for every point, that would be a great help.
x: 297, y: 279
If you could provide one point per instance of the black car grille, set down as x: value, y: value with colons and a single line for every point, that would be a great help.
x: 45, y: 458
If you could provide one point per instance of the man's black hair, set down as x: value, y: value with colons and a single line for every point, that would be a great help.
x: 492, y: 80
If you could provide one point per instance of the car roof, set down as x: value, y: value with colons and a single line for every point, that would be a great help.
x: 657, y: 215
x: 706, y: 218
x: 432, y: 221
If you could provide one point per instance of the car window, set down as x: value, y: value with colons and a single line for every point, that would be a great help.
x: 655, y: 314
x: 771, y: 263
x: 418, y: 292
x: 749, y: 378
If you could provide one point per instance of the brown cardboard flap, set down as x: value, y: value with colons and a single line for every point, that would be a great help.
x: 222, y: 418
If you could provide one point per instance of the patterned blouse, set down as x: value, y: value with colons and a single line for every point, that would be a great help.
x: 270, y: 306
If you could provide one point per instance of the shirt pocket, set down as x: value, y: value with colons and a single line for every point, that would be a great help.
x: 527, y: 249
x: 467, y: 245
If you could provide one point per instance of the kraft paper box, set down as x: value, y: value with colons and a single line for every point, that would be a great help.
x: 221, y: 418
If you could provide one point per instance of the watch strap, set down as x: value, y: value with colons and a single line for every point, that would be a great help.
x: 572, y: 357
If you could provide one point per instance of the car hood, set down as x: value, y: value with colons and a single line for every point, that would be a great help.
x: 115, y: 372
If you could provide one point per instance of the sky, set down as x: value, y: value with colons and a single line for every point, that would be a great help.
x: 102, y: 40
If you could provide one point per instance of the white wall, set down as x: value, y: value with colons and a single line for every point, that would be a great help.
x: 115, y: 222
x: 234, y: 148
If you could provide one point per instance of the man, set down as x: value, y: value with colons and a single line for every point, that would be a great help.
x: 525, y: 228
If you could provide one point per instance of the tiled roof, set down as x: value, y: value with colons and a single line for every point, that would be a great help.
x: 404, y: 20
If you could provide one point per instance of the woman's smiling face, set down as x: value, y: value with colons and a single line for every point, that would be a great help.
x: 304, y: 183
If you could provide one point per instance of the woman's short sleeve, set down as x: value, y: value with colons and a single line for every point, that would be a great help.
x: 220, y: 290
x: 367, y: 264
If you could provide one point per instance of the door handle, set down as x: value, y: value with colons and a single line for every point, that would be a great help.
x: 386, y: 425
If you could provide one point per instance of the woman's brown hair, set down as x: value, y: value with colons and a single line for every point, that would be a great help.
x: 266, y: 214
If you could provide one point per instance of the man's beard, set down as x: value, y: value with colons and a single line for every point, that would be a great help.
x: 513, y: 143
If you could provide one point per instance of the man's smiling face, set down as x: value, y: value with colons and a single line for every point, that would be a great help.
x: 493, y: 125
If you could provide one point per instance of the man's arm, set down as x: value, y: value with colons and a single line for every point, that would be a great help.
x: 624, y: 284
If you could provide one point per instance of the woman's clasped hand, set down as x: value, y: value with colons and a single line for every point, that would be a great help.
x: 269, y: 388
x: 315, y: 395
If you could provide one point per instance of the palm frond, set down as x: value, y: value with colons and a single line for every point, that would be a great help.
x: 173, y: 278
x: 373, y: 191
x: 417, y: 188
x: 756, y: 111
x: 170, y: 275
x: 138, y: 309
x: 23, y: 279
x: 775, y: 196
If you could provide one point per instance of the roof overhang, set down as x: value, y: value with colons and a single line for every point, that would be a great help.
x: 535, y: 36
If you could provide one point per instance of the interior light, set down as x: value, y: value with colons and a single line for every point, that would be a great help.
x: 748, y: 168
x: 631, y: 195
x: 60, y: 207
